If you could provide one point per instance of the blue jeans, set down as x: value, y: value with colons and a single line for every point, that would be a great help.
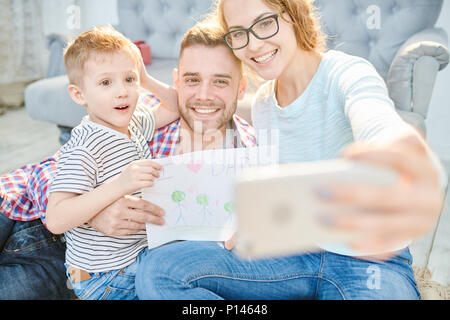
x: 31, y: 262
x: 205, y: 270
x: 111, y: 285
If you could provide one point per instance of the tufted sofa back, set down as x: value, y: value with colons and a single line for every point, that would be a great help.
x: 375, y: 30
x: 161, y: 23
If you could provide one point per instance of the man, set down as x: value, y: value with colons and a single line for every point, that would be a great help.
x: 209, y: 82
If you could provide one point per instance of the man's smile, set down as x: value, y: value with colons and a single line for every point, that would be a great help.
x: 205, y: 111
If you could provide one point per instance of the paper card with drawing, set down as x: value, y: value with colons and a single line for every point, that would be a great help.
x: 196, y: 191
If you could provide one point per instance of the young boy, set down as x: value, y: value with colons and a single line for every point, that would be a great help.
x: 105, y: 159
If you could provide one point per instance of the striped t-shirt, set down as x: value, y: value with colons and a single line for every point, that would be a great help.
x: 93, y: 155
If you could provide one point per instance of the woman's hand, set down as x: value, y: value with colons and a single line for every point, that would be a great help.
x: 390, y: 216
x: 126, y: 216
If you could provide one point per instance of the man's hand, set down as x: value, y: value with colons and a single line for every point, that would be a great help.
x: 126, y: 216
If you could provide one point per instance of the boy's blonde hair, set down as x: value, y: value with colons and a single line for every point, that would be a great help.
x: 304, y: 19
x: 100, y: 40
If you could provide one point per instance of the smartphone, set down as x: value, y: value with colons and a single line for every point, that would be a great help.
x: 278, y: 209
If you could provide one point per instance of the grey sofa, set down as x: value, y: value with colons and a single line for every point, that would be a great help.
x: 398, y: 37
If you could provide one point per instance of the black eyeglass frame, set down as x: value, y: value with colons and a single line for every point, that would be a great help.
x: 250, y: 29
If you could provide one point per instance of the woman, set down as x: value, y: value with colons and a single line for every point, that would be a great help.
x: 320, y: 102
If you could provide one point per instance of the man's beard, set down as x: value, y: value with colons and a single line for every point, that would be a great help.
x: 198, y: 126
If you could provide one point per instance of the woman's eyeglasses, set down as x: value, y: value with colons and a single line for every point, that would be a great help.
x: 264, y: 28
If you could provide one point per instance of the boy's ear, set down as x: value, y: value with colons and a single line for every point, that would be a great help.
x: 77, y: 95
x: 242, y: 87
x: 175, y: 78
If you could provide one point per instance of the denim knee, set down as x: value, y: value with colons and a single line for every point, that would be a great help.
x: 148, y: 272
x: 163, y: 268
x: 350, y: 278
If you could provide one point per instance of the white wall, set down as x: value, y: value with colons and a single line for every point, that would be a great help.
x: 438, y: 122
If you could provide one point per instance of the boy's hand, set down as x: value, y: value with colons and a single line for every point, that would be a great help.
x: 143, y: 75
x: 167, y: 111
x: 138, y: 175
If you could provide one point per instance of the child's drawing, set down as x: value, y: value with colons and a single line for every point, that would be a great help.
x: 196, y: 190
x: 178, y: 197
x: 229, y: 208
x: 203, y: 201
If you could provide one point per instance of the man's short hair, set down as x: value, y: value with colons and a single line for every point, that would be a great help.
x: 100, y: 40
x: 207, y: 33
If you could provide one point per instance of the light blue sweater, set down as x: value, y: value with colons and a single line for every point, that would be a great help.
x: 346, y: 101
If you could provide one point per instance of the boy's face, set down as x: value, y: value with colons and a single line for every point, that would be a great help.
x: 110, y: 89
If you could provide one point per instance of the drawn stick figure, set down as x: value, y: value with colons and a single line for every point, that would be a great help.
x: 203, y: 201
x: 229, y: 208
x: 178, y: 197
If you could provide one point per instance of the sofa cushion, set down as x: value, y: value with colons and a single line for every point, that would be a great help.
x: 160, y: 23
x: 375, y: 30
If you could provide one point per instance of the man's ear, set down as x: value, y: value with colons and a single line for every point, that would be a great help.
x: 175, y: 78
x: 242, y: 87
x: 77, y: 95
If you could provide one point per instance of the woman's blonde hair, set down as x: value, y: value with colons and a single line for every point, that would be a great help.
x: 304, y: 19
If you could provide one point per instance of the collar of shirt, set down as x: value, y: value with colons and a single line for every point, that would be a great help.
x: 239, y: 134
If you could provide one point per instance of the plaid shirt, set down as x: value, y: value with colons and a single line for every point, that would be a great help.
x: 24, y: 192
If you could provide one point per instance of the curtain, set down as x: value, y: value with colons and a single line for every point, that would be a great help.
x: 22, y: 41
x: 24, y: 25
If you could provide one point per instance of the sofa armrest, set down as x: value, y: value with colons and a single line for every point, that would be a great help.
x: 413, y: 71
x: 415, y: 119
x: 56, y: 43
x: 49, y: 100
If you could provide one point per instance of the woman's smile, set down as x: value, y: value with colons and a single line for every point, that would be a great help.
x: 265, y: 58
